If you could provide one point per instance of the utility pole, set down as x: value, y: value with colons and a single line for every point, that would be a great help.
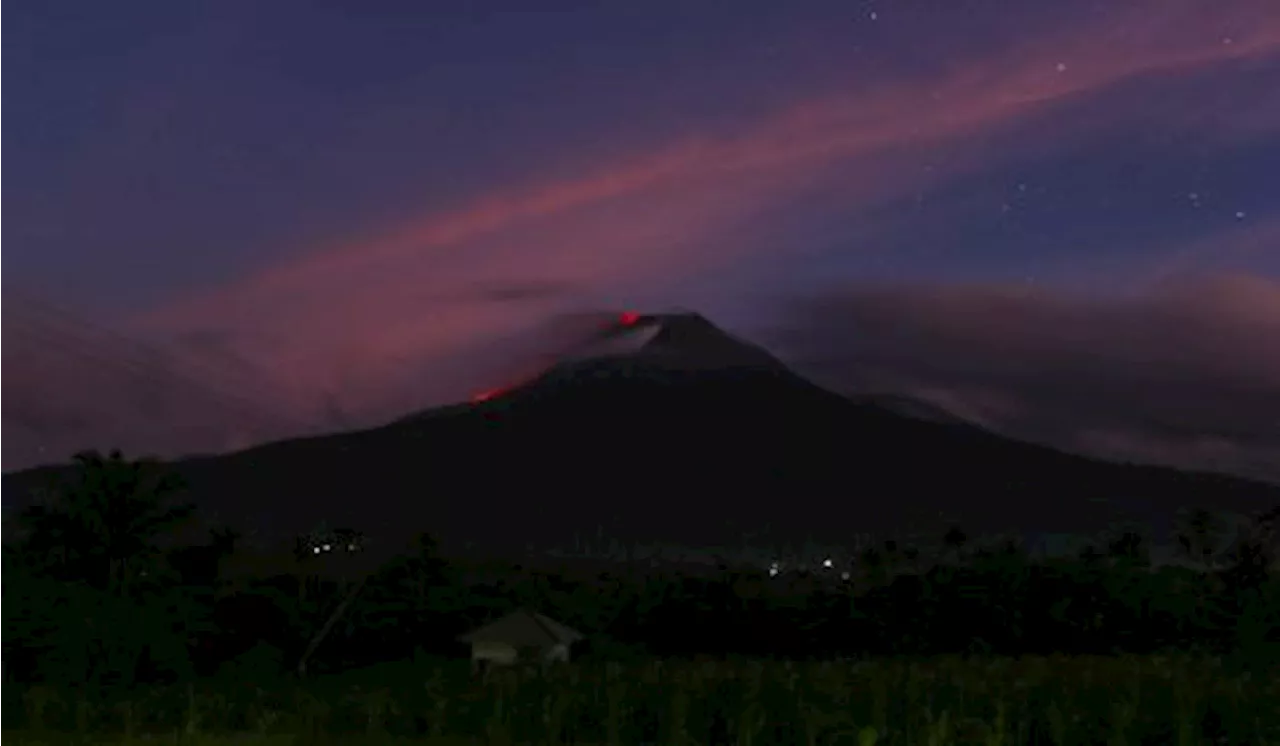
x: 328, y: 625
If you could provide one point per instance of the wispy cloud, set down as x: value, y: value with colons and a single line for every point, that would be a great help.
x: 1181, y: 374
x: 72, y: 384
x: 1253, y: 244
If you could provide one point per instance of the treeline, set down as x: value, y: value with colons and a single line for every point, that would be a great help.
x: 98, y: 596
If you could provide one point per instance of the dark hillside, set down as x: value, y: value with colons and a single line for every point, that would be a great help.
x: 644, y: 447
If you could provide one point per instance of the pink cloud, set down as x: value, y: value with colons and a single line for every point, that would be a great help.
x: 381, y: 312
x: 1250, y: 240
x: 71, y: 384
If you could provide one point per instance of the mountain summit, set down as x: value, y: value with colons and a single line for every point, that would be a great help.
x: 682, y: 341
x: 687, y: 345
x: 657, y: 348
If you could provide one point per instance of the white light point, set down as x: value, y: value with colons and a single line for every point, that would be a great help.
x: 773, y: 570
x: 873, y: 15
x: 327, y: 547
x: 1239, y: 214
x: 315, y: 550
x: 1061, y: 67
x: 827, y: 563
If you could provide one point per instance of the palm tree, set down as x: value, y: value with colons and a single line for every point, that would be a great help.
x: 104, y: 522
x: 95, y: 542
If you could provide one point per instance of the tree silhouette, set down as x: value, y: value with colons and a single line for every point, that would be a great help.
x: 1252, y: 557
x: 104, y: 522
x: 954, y: 541
x: 1127, y: 545
x: 872, y: 563
x: 1198, y: 534
x: 1090, y: 555
x: 94, y: 597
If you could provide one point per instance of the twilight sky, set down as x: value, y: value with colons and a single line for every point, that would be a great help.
x: 231, y: 221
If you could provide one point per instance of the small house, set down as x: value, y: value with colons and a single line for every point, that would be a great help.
x: 522, y: 636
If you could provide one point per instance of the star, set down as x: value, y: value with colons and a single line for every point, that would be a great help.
x: 1062, y: 67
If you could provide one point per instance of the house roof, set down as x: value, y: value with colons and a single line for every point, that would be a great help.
x: 524, y: 627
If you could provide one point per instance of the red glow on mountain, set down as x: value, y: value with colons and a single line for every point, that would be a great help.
x: 629, y: 318
x: 484, y: 396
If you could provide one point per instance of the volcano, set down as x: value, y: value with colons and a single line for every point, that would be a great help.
x: 663, y: 428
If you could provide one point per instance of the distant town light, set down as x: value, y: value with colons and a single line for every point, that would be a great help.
x: 315, y: 550
x: 327, y: 547
x: 827, y: 563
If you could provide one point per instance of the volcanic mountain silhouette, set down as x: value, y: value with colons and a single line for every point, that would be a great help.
x: 665, y: 428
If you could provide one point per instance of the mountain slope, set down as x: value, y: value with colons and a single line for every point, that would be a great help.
x: 688, y: 436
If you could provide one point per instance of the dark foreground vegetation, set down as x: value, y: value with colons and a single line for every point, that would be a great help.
x: 945, y: 700
x: 112, y: 631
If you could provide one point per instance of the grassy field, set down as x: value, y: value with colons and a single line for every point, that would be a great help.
x: 1086, y: 701
x: 235, y: 739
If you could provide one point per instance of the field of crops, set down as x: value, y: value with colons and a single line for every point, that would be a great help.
x: 936, y: 701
